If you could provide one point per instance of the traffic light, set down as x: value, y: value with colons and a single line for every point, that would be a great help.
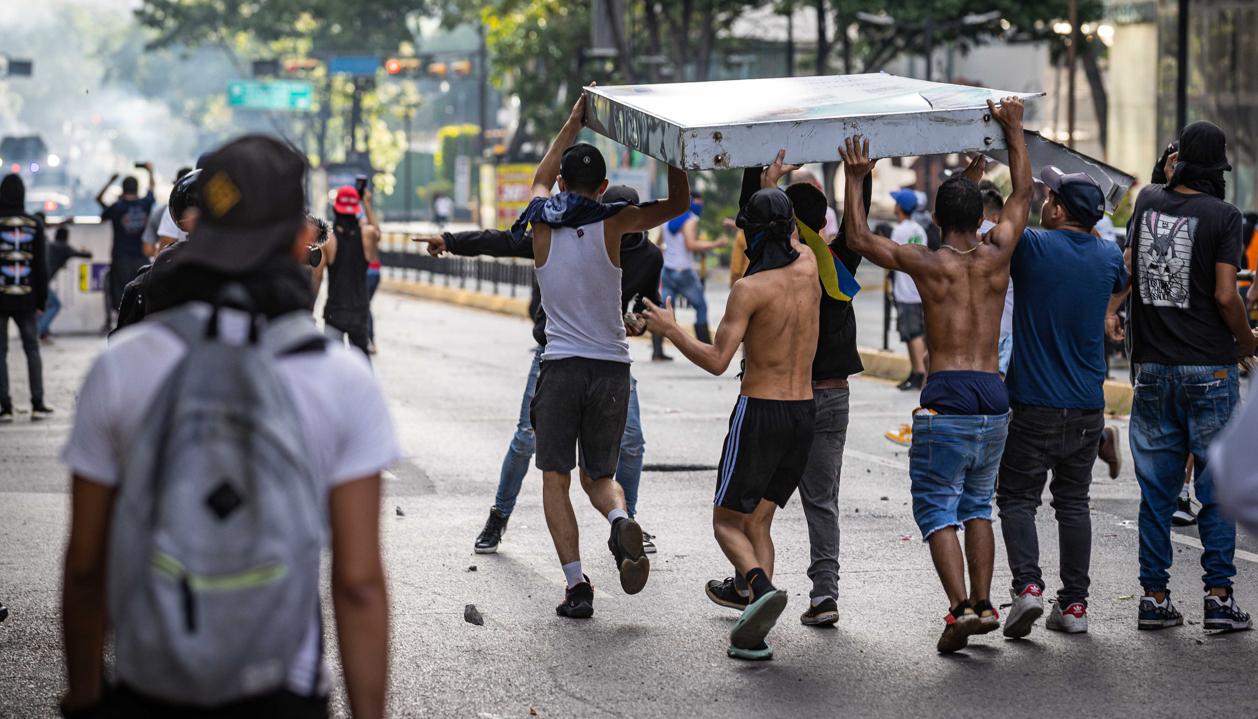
x: 300, y: 64
x: 402, y: 65
x: 440, y: 69
x: 461, y: 67
x: 266, y: 68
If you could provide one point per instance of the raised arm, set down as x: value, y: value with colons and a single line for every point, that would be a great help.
x: 690, y: 233
x: 882, y: 251
x: 100, y: 196
x: 548, y: 168
x: 715, y: 357
x: 647, y: 217
x: 1005, y: 235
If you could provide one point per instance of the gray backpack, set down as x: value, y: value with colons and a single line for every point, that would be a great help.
x: 219, y: 521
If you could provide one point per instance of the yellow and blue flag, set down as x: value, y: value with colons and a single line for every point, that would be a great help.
x: 835, y: 277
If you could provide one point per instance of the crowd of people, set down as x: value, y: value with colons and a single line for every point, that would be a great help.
x: 205, y: 467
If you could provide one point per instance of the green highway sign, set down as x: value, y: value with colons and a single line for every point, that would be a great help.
x: 292, y: 95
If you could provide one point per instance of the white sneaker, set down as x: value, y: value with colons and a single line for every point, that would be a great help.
x: 1028, y: 605
x: 1071, y: 620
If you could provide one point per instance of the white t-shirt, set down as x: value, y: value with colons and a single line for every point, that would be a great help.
x: 831, y: 230
x: 904, y: 289
x: 168, y: 228
x: 344, y: 419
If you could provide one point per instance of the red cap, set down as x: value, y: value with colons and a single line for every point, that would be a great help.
x: 346, y: 201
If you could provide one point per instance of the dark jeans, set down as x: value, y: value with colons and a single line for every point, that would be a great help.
x: 1177, y: 411
x: 25, y: 322
x: 357, y: 336
x: 373, y: 284
x: 125, y: 703
x: 1065, y: 442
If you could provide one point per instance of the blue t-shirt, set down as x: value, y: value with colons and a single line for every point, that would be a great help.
x: 1062, y: 282
x: 129, y: 218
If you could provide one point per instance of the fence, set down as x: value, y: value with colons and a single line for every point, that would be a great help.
x: 405, y: 260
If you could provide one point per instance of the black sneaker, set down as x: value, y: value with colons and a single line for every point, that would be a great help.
x: 661, y: 357
x: 40, y: 411
x: 4, y: 612
x: 578, y: 601
x: 725, y: 593
x: 1184, y: 516
x: 914, y: 381
x: 648, y: 543
x: 821, y: 615
x: 626, y: 545
x: 1222, y: 615
x: 6, y: 416
x: 491, y: 535
x: 1158, y: 615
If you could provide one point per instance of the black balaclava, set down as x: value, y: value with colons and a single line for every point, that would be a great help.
x: 767, y: 221
x: 1202, y: 159
x: 12, y: 195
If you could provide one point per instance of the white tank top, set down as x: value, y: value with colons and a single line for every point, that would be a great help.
x: 676, y: 256
x: 581, y: 295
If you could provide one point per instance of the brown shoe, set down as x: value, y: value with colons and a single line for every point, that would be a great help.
x: 1109, y: 452
x: 957, y: 631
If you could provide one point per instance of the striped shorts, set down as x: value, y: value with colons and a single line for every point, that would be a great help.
x: 765, y: 452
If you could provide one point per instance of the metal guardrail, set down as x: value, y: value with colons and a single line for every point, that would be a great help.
x: 402, y: 259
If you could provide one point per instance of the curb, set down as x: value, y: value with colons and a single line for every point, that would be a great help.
x: 885, y: 365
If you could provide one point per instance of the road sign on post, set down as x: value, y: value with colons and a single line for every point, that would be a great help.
x: 291, y: 95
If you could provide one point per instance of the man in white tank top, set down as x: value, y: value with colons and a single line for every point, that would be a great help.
x: 582, y: 393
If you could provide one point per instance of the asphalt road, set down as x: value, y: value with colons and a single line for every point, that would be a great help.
x: 454, y: 379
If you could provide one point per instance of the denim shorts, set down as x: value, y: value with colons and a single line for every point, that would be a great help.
x: 953, y: 465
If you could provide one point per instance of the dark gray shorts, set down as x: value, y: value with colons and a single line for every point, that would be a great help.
x: 580, y: 404
x: 910, y: 321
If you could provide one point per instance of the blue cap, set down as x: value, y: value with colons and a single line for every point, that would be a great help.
x: 905, y: 199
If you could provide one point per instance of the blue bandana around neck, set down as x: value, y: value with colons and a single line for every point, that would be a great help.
x: 566, y: 209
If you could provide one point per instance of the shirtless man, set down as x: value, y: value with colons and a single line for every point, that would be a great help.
x: 959, y: 430
x: 773, y: 310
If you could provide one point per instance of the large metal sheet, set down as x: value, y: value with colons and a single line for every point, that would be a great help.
x: 743, y: 123
x: 1114, y: 182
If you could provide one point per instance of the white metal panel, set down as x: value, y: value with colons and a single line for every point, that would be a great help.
x: 743, y: 123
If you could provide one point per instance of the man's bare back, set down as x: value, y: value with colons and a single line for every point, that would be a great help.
x: 963, y: 297
x: 781, y: 335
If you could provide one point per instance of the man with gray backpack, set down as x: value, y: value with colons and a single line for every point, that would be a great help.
x: 209, y: 474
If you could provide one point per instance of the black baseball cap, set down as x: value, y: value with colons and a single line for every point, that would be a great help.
x: 583, y: 166
x: 252, y: 204
x: 1079, y: 194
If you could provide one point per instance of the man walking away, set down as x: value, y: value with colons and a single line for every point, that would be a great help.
x: 772, y: 312
x: 59, y: 253
x: 1188, y: 330
x: 23, y: 292
x: 196, y: 525
x: 681, y: 241
x: 371, y: 247
x: 347, y: 308
x: 640, y: 264
x: 582, y: 397
x: 1065, y: 278
x: 909, y: 319
x: 128, y: 216
x: 959, y: 430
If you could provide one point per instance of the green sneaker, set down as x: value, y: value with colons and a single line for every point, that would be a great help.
x: 757, y: 619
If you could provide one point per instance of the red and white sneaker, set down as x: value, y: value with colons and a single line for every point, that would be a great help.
x: 1071, y: 620
x: 957, y: 631
x: 1028, y: 605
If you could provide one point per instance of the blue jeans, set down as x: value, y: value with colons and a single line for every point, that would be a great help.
x: 50, y: 311
x: 1177, y: 411
x: 685, y: 283
x: 953, y: 465
x: 515, y: 465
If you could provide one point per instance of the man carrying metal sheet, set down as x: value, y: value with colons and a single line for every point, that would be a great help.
x: 959, y: 430
x: 772, y: 310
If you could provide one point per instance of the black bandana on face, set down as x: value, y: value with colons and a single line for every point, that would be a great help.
x: 767, y: 221
x: 1202, y: 159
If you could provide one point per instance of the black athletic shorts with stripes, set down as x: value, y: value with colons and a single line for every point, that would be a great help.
x: 765, y: 452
